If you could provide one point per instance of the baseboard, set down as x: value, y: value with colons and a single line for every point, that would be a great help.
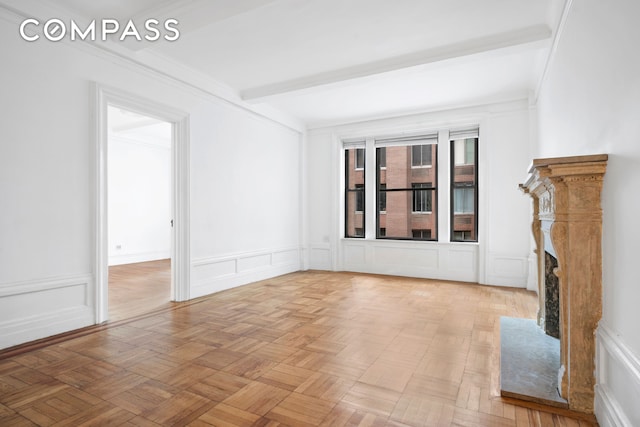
x: 139, y: 257
x: 618, y: 381
x: 608, y: 411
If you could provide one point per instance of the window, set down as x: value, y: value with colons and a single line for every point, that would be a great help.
x: 407, y: 195
x: 404, y: 197
x: 464, y: 151
x: 354, y: 192
x: 421, y: 156
x: 382, y: 198
x: 461, y: 235
x: 421, y: 234
x: 421, y: 197
x: 359, y: 197
x: 464, y: 186
x: 359, y: 158
x: 382, y: 158
x: 463, y: 200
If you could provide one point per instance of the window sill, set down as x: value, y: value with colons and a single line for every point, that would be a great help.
x: 405, y: 242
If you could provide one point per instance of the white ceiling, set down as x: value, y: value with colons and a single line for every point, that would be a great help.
x: 331, y: 61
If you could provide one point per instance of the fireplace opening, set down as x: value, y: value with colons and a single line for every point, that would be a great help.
x: 551, y: 324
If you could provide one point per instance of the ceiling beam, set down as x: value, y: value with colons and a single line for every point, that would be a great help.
x: 517, y: 40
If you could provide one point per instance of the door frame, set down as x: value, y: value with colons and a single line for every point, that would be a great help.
x: 180, y: 244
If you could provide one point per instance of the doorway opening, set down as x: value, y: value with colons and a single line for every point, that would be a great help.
x: 139, y: 213
x: 131, y: 229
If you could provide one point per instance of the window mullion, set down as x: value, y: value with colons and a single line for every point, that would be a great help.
x: 370, y: 198
x: 443, y: 184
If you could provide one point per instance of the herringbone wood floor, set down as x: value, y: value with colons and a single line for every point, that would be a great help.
x: 312, y: 348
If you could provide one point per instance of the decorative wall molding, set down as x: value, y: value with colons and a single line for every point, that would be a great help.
x: 439, y: 260
x: 216, y: 274
x: 507, y: 270
x: 320, y: 256
x: 613, y: 354
x: 57, y: 305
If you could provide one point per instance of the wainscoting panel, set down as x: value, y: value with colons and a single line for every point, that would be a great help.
x: 355, y: 254
x: 617, y: 368
x: 210, y: 275
x: 38, y: 309
x: 425, y: 258
x: 507, y: 270
x: 445, y: 261
x: 253, y: 262
x: 320, y: 257
x: 290, y: 256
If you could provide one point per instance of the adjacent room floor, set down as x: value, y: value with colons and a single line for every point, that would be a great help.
x: 140, y: 288
x: 304, y: 349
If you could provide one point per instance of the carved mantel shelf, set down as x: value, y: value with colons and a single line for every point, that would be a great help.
x: 566, y: 193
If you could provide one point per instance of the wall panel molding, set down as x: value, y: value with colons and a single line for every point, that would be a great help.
x: 215, y: 274
x: 507, y: 270
x: 443, y: 261
x: 56, y: 305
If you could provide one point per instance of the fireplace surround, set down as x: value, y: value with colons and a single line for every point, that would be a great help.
x: 567, y: 221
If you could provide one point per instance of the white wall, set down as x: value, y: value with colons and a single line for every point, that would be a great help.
x: 245, y: 174
x: 502, y: 255
x: 139, y: 195
x: 245, y: 207
x: 590, y: 103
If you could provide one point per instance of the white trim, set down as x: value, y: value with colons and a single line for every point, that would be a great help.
x: 231, y: 270
x: 608, y: 411
x: 615, y: 347
x: 39, y: 324
x: 103, y: 97
x: 611, y: 350
x: 25, y: 287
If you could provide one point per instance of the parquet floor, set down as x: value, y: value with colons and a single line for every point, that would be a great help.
x: 136, y: 289
x: 305, y: 349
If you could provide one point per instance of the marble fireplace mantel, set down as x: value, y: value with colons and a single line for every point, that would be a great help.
x: 566, y: 193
